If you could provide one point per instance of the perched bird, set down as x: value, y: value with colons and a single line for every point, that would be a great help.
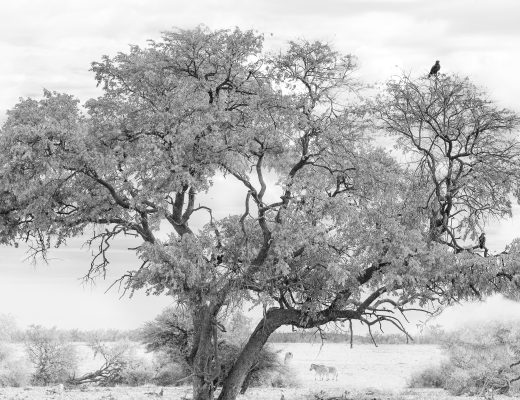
x: 482, y: 241
x: 436, y: 67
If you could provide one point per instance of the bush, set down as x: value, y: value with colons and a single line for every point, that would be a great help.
x: 431, y: 377
x: 137, y: 372
x: 281, y: 377
x: 167, y: 371
x: 121, y: 366
x: 14, y: 371
x: 268, y: 371
x: 54, y: 359
x: 481, y: 357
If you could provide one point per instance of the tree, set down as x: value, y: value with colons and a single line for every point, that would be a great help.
x: 54, y: 359
x: 346, y: 233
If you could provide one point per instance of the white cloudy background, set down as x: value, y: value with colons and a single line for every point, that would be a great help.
x: 50, y: 44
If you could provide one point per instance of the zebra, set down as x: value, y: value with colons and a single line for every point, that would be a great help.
x: 322, y: 371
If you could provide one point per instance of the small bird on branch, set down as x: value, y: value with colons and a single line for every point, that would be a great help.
x: 435, y: 69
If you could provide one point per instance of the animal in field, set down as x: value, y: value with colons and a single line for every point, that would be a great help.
x: 435, y: 69
x: 288, y: 358
x: 322, y: 371
x: 333, y: 373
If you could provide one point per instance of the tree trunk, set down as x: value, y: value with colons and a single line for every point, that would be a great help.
x: 233, y: 382
x: 203, y: 361
x: 246, y: 383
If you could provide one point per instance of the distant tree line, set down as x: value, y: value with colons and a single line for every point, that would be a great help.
x: 11, y: 332
x: 433, y: 335
x: 77, y: 335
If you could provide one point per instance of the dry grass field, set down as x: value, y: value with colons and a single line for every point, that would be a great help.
x: 386, y: 367
x: 364, y: 373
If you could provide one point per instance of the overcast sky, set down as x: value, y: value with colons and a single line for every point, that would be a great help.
x: 50, y: 44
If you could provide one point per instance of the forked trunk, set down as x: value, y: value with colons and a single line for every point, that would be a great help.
x: 249, y: 354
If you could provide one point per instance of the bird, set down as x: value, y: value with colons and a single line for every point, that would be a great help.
x: 482, y: 241
x: 436, y: 67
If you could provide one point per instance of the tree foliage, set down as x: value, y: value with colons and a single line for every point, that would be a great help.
x: 464, y: 146
x: 344, y: 231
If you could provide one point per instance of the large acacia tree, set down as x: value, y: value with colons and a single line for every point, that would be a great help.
x: 332, y: 228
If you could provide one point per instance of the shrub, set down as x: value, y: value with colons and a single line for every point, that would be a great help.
x: 431, y: 377
x: 137, y: 372
x: 54, y: 359
x: 480, y: 357
x: 121, y: 366
x: 168, y: 372
x: 268, y: 371
x: 14, y: 371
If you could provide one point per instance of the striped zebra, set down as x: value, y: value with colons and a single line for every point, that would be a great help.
x: 322, y: 371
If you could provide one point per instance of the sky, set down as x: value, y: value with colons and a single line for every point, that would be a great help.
x: 50, y: 44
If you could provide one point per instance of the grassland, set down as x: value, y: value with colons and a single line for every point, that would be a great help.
x: 365, y: 373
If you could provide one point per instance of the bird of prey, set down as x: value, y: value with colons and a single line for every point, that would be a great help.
x: 482, y: 241
x: 436, y: 67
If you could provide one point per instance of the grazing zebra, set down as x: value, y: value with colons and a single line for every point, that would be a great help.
x: 322, y: 371
x: 288, y: 358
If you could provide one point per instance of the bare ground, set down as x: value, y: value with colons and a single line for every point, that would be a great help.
x: 184, y: 393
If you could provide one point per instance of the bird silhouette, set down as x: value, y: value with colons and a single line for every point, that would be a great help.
x: 436, y: 67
